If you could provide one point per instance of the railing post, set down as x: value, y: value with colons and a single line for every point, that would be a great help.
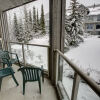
x: 23, y: 54
x: 48, y: 59
x: 75, y: 86
x: 56, y: 57
x: 60, y: 68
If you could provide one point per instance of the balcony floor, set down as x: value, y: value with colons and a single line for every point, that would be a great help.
x: 9, y: 91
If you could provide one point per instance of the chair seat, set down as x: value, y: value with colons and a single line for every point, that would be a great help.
x: 6, y: 72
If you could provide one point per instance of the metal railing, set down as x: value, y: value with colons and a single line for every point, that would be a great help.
x: 78, y: 73
x: 23, y: 49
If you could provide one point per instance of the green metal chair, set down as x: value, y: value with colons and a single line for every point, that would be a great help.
x: 8, y: 55
x: 32, y: 74
x: 7, y: 71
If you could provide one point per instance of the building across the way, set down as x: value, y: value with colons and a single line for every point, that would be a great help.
x: 92, y: 21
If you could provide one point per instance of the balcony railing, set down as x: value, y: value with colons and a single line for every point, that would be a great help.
x: 31, y: 54
x: 79, y: 75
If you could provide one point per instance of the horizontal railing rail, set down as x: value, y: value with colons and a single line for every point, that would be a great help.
x: 30, y: 44
x: 85, y: 77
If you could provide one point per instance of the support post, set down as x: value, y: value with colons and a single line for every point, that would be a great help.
x: 56, y: 57
x: 23, y: 54
x: 75, y: 87
x: 57, y: 18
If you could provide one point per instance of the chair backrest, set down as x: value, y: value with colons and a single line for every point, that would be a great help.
x: 6, y: 54
x: 6, y: 61
x: 30, y: 73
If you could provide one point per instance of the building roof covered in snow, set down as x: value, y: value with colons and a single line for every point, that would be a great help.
x: 94, y: 10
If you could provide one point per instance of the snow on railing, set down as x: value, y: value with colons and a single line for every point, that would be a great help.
x: 30, y: 44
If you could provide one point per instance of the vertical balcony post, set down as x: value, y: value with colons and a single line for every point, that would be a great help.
x: 48, y: 59
x: 75, y: 87
x: 23, y: 54
x: 57, y: 18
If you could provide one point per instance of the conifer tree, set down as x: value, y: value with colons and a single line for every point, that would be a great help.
x: 30, y: 21
x: 16, y: 28
x: 42, y: 21
x: 73, y: 23
x: 34, y: 20
x: 21, y: 35
x: 26, y: 34
x: 26, y: 19
x: 38, y: 24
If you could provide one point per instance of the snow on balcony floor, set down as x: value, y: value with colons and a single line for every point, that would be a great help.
x: 9, y: 91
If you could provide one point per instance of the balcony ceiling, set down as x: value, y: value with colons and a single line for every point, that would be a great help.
x: 8, y: 4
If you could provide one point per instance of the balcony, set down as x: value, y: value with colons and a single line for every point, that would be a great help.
x: 51, y: 57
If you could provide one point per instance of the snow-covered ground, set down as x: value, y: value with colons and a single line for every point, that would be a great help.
x: 84, y: 92
x: 87, y: 57
x: 41, y: 40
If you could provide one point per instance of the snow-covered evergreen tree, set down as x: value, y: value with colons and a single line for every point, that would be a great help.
x: 27, y: 33
x: 21, y: 36
x: 42, y: 21
x: 73, y: 24
x: 16, y: 28
x: 30, y: 21
x: 38, y: 24
x: 34, y: 21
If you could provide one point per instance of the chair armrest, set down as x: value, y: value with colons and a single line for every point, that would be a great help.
x: 13, y: 54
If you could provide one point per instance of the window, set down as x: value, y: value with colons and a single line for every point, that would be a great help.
x: 98, y: 18
x: 72, y: 40
x: 89, y: 26
x: 98, y: 26
x: 29, y: 24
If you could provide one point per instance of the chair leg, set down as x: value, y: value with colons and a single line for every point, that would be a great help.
x: 3, y: 65
x: 39, y: 82
x: 43, y: 76
x: 19, y: 64
x: 15, y: 79
x: 42, y: 73
x: 0, y: 83
x: 23, y: 88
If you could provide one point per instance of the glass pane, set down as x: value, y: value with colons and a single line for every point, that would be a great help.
x: 30, y: 23
x: 82, y: 40
x: 36, y: 55
x: 68, y: 77
x: 17, y: 48
x: 86, y: 93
